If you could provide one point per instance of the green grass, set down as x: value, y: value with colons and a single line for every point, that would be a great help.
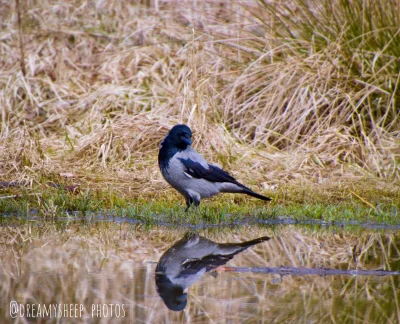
x: 300, y: 204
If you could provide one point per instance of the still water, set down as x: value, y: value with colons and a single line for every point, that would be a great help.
x: 123, y: 273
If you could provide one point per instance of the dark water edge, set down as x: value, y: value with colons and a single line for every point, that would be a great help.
x: 157, y: 221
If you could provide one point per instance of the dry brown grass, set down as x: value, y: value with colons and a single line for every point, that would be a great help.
x: 106, y: 80
x: 107, y: 263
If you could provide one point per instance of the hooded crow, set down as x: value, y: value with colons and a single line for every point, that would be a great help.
x: 190, y: 174
x: 188, y: 260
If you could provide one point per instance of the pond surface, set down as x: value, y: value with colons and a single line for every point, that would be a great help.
x: 94, y: 273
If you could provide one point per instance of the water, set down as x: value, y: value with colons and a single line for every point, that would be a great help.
x: 107, y: 272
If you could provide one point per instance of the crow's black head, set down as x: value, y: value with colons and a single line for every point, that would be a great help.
x: 178, y: 139
x: 173, y: 296
x: 179, y: 136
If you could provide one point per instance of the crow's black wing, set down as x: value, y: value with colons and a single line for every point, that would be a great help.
x: 213, y: 173
x: 208, y: 262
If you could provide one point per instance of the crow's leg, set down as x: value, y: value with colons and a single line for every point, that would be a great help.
x: 191, y: 200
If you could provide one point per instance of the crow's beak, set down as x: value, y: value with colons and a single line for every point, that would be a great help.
x: 181, y: 298
x: 186, y: 139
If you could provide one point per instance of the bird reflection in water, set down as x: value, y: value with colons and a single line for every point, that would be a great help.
x: 187, y: 261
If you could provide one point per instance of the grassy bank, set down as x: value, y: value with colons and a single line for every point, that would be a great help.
x: 364, y: 204
x: 299, y: 102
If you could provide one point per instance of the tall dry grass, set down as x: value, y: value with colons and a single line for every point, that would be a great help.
x: 288, y: 91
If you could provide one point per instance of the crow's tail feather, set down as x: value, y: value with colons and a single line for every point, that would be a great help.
x: 254, y: 242
x: 231, y: 249
x: 249, y: 192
